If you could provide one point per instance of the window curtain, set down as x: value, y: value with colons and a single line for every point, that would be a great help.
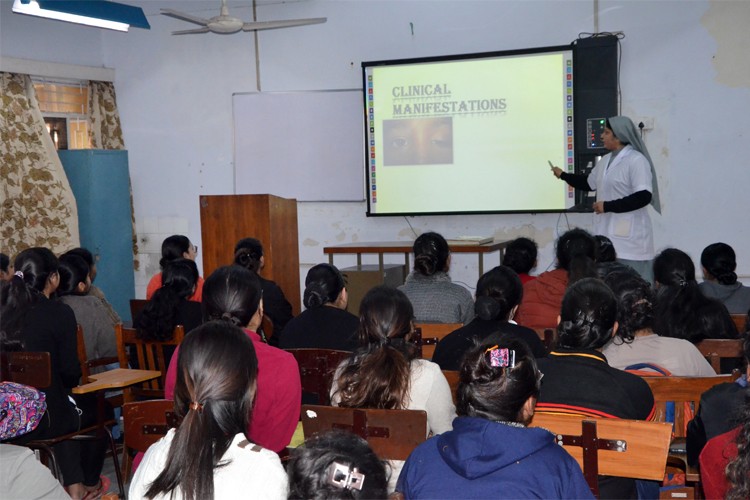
x: 36, y: 203
x: 105, y: 133
x: 104, y: 120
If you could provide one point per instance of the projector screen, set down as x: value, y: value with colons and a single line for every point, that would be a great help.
x: 469, y: 134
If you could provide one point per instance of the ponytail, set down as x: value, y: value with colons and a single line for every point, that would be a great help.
x: 34, y: 266
x: 216, y: 375
x: 378, y: 374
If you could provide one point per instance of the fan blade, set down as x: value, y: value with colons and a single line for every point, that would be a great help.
x: 190, y: 32
x: 268, y: 25
x: 184, y: 17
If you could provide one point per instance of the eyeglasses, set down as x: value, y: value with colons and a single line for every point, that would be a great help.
x: 195, y: 249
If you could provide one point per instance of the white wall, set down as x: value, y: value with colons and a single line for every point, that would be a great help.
x: 684, y: 64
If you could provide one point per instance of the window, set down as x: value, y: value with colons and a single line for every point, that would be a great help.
x: 64, y: 106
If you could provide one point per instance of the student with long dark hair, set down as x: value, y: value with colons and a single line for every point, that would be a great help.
x: 499, y: 291
x: 490, y: 452
x: 94, y: 290
x: 209, y: 455
x: 682, y: 311
x: 325, y: 323
x: 30, y: 321
x: 90, y: 312
x: 577, y: 378
x: 385, y: 371
x: 636, y: 340
x: 719, y: 264
x: 175, y: 247
x: 233, y: 294
x: 336, y: 465
x: 171, y: 305
x: 576, y: 255
x: 248, y: 253
x: 435, y: 298
x: 521, y: 256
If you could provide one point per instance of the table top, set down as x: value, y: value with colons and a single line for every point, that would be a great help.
x: 407, y: 246
x: 116, y: 379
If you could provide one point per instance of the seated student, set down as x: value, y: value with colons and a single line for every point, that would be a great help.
x: 429, y: 288
x: 499, y: 292
x: 719, y: 411
x: 682, y: 311
x: 94, y: 290
x: 490, y: 452
x: 170, y: 305
x: 336, y: 465
x: 209, y: 455
x: 172, y: 248
x: 325, y: 324
x: 606, y: 259
x: 521, y: 256
x: 30, y: 321
x: 233, y: 294
x: 636, y: 342
x: 248, y: 253
x: 725, y: 462
x: 23, y: 476
x: 577, y: 378
x: 385, y: 372
x: 90, y: 312
x: 540, y: 307
x: 6, y: 270
x: 719, y: 263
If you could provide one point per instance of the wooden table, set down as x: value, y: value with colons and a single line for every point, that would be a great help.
x: 405, y: 247
x: 118, y: 378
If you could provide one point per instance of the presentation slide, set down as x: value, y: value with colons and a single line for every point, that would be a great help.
x: 469, y: 135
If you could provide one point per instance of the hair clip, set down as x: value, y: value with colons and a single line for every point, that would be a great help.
x: 345, y: 477
x: 501, y: 358
x: 196, y: 406
x: 19, y: 274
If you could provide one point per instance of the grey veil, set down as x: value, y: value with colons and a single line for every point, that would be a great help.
x: 626, y: 131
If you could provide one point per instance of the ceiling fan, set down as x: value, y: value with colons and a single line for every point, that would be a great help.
x: 225, y: 24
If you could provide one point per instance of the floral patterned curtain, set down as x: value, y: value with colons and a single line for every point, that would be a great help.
x: 105, y: 133
x: 104, y: 120
x: 37, y: 207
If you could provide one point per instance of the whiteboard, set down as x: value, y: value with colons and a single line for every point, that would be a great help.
x: 304, y: 145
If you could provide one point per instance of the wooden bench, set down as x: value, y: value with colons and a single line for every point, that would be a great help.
x: 432, y: 333
x: 685, y: 393
x: 392, y: 434
x: 611, y: 447
x: 316, y: 370
x: 714, y: 350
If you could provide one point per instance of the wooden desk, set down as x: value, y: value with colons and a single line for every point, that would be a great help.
x: 115, y: 379
x: 405, y: 247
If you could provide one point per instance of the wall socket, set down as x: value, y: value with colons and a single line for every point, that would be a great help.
x: 648, y: 122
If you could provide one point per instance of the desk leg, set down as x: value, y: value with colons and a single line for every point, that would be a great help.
x: 330, y: 258
x: 380, y: 263
x: 406, y: 263
x: 481, y: 264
